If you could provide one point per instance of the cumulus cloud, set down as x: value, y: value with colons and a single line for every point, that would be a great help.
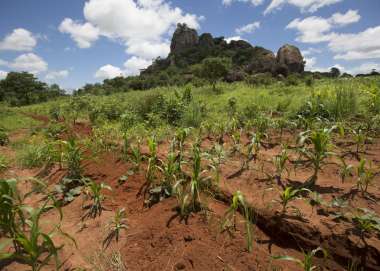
x: 247, y: 29
x: 253, y: 2
x: 19, y: 40
x: 229, y: 39
x: 355, y: 46
x: 83, y: 34
x: 134, y: 65
x: 56, y: 75
x: 303, y: 5
x: 3, y: 74
x: 142, y: 26
x: 29, y: 62
x: 318, y: 29
x: 108, y: 72
x: 310, y: 63
x: 346, y: 46
x: 365, y: 68
x: 311, y: 51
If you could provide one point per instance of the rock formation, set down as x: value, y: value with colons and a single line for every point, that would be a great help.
x: 291, y: 57
x: 183, y: 39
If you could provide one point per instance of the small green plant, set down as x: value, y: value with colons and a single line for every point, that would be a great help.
x: 118, y: 223
x: 4, y: 163
x: 229, y: 220
x: 345, y: 170
x: 216, y: 158
x: 319, y: 152
x: 254, y: 146
x: 72, y: 155
x: 288, y: 195
x: 4, y: 140
x: 366, y: 175
x: 279, y: 162
x: 307, y: 262
x: 136, y: 156
x: 93, y: 192
x: 366, y: 222
x: 360, y: 139
x: 316, y: 200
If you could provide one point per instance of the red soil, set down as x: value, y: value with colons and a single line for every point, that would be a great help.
x: 152, y: 243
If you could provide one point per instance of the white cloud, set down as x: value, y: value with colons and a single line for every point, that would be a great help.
x: 108, y: 72
x: 355, y: 46
x: 132, y: 66
x: 3, y: 74
x: 19, y: 40
x: 303, y: 5
x: 351, y: 16
x: 135, y: 64
x: 142, y: 25
x: 83, y: 34
x: 247, y: 29
x: 148, y: 50
x: 56, y: 75
x: 365, y: 68
x: 29, y: 62
x: 229, y: 39
x: 317, y: 29
x: 311, y: 51
x: 253, y: 2
x: 310, y: 63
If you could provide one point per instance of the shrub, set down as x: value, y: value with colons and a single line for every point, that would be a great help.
x: 4, y: 140
x: 193, y: 115
x: 128, y: 120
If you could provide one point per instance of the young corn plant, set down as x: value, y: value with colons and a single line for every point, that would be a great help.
x: 318, y: 153
x: 3, y: 163
x: 116, y: 225
x: 183, y: 198
x: 366, y: 176
x: 254, y: 146
x: 229, y: 220
x: 170, y: 170
x: 136, y: 156
x: 307, y: 262
x: 20, y: 226
x: 279, y: 162
x: 197, y: 182
x: 345, y: 170
x: 288, y: 195
x: 73, y: 158
x: 152, y: 165
x: 236, y: 142
x: 93, y: 192
x: 360, y: 139
x: 12, y: 216
x: 216, y: 160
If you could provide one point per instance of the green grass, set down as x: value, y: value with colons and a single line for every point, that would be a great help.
x: 13, y: 119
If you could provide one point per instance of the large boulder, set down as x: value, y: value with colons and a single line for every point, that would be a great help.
x: 184, y: 38
x: 291, y: 57
x: 206, y: 41
x: 262, y: 61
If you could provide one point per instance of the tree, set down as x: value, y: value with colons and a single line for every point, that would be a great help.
x: 214, y: 68
x: 22, y: 88
x: 335, y: 72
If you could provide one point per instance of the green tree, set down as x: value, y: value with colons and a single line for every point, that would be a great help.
x: 335, y: 72
x: 22, y: 88
x: 215, y: 68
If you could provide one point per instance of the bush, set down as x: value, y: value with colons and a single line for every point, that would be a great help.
x: 128, y: 120
x: 193, y: 115
x: 4, y: 140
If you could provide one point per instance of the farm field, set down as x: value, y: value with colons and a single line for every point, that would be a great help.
x: 280, y: 175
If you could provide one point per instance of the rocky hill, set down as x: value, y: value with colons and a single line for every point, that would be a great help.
x: 188, y: 48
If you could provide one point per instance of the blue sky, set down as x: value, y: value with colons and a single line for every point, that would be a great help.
x: 74, y: 42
